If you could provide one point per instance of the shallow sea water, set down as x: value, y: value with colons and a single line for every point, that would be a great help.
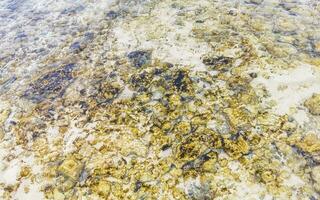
x: 173, y: 99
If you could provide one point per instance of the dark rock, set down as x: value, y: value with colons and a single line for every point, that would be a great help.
x: 105, y: 91
x: 232, y: 12
x: 6, y: 84
x: 169, y: 65
x: 21, y: 36
x: 82, y: 43
x: 76, y: 47
x: 138, y: 185
x: 72, y: 10
x: 165, y: 147
x: 13, y: 5
x: 203, y: 158
x: 256, y: 2
x: 199, y: 21
x: 89, y: 36
x: 139, y: 58
x: 112, y: 15
x: 158, y: 71
x: 178, y: 82
x: 253, y: 75
x: 188, y: 166
x: 51, y: 85
x: 219, y: 60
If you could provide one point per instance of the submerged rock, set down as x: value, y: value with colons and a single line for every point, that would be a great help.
x: 103, y: 188
x: 313, y: 104
x: 107, y: 91
x: 257, y: 2
x: 75, y: 47
x: 316, y: 177
x: 216, y: 60
x: 70, y: 168
x: 51, y: 85
x: 139, y: 58
x: 112, y: 15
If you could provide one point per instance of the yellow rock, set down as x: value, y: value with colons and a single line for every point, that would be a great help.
x: 183, y: 127
x: 313, y: 104
x: 316, y: 177
x: 58, y: 195
x: 174, y: 100
x: 1, y: 134
x: 209, y: 165
x: 70, y: 168
x: 310, y: 144
x: 267, y: 176
x: 67, y: 185
x: 25, y: 171
x: 176, y: 172
x: 103, y: 188
x: 236, y: 148
x: 166, y: 126
x: 237, y: 117
x: 317, y: 46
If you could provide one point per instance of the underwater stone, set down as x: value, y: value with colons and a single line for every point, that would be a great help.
x: 310, y: 144
x: 75, y: 47
x: 217, y: 60
x: 138, y: 185
x: 139, y: 58
x: 89, y: 36
x: 107, y: 91
x: 72, y: 10
x: 21, y: 36
x: 313, y: 104
x: 257, y: 2
x: 316, y: 177
x: 51, y: 85
x: 14, y: 5
x: 188, y: 166
x: 253, y: 75
x: 178, y: 82
x: 70, y: 168
x: 103, y: 189
x: 317, y: 46
x: 112, y: 14
x: 7, y: 83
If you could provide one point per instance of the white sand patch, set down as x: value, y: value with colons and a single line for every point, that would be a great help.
x: 126, y: 93
x: 52, y: 133
x: 301, y: 116
x: 294, y: 181
x: 291, y: 87
x: 190, y: 184
x: 28, y: 191
x: 167, y: 40
x: 165, y: 153
x: 10, y: 174
x: 72, y: 135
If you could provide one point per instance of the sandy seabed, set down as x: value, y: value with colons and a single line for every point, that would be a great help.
x: 146, y: 99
